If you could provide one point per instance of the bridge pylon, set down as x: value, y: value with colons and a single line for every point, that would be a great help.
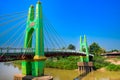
x: 85, y: 65
x: 84, y: 46
x: 34, y: 67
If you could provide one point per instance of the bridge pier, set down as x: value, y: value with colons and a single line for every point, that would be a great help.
x: 85, y: 67
x: 23, y: 77
x: 34, y: 68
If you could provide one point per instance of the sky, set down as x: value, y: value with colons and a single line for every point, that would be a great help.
x: 99, y: 20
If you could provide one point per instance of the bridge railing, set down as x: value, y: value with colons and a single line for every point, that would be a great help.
x: 16, y: 50
x: 22, y: 50
x: 63, y: 50
x: 32, y: 50
x: 16, y: 53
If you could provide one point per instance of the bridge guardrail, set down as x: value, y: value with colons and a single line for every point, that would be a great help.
x: 32, y: 50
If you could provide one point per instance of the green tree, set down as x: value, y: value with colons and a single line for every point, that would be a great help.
x: 114, y: 50
x: 95, y: 49
x: 63, y: 48
x: 71, y: 47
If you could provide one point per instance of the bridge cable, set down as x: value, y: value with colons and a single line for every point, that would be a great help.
x: 56, y: 34
x: 48, y: 40
x: 53, y: 37
x: 60, y: 39
x: 21, y: 39
x: 45, y: 43
x: 7, y: 19
x: 13, y: 41
x: 9, y: 29
x: 12, y: 20
x: 19, y: 35
x: 49, y: 36
x: 12, y: 14
x: 11, y: 48
x: 15, y: 32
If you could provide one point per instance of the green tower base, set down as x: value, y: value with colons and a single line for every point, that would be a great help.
x: 34, y: 68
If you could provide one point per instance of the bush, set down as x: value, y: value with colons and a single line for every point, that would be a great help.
x: 99, y: 62
x: 63, y: 63
x: 113, y: 67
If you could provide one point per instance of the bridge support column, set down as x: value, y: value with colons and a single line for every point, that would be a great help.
x: 38, y: 68
x: 84, y: 46
x: 26, y: 68
x: 84, y: 65
x: 35, y: 67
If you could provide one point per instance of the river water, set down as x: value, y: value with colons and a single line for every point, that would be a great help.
x: 7, y: 71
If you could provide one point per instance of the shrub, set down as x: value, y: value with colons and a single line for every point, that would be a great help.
x: 113, y: 67
x: 99, y: 62
x: 63, y: 63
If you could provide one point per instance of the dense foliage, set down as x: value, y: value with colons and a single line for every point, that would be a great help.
x: 95, y: 49
x: 71, y: 47
x: 114, y: 50
x: 63, y: 63
x: 113, y: 67
x: 99, y: 62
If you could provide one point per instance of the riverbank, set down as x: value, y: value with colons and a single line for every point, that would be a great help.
x: 70, y: 63
x: 103, y: 74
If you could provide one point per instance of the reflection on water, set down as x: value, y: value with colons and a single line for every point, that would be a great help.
x: 7, y: 71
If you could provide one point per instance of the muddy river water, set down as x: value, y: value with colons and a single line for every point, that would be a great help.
x: 7, y: 71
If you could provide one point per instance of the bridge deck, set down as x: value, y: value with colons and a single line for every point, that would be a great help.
x: 27, y: 54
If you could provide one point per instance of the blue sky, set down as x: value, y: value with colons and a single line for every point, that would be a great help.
x: 99, y: 20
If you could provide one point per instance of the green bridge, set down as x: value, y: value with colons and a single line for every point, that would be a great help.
x: 34, y: 58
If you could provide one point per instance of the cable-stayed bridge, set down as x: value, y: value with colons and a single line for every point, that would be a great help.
x: 12, y: 34
x: 33, y: 38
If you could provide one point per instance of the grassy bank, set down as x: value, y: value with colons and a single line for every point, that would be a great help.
x: 100, y: 62
x: 70, y: 63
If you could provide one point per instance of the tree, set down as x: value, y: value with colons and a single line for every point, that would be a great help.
x: 63, y: 48
x: 71, y: 47
x: 114, y: 50
x: 95, y: 49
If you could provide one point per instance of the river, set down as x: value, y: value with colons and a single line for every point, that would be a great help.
x: 103, y: 75
x: 7, y: 71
